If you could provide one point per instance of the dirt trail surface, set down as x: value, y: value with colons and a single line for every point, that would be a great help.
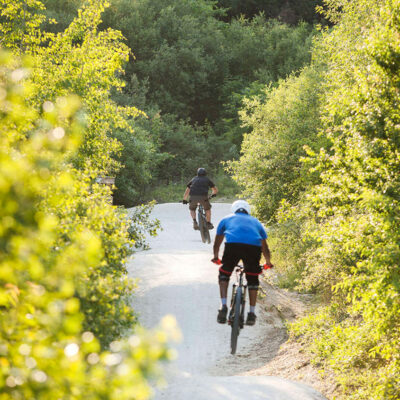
x: 176, y: 277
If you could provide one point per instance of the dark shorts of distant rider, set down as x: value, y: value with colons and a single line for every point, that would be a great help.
x: 249, y: 254
x: 203, y: 200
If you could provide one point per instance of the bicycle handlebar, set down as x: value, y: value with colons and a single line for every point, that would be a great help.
x: 209, y: 198
x: 219, y: 262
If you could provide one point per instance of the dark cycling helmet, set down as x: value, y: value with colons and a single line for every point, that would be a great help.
x: 201, y: 172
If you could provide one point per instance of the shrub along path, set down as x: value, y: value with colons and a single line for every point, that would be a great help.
x: 176, y: 277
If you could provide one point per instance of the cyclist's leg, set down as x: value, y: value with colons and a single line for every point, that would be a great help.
x: 251, y: 259
x: 230, y: 259
x: 192, y: 208
x: 207, y: 208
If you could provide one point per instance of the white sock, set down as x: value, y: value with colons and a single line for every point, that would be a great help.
x: 223, y: 301
x: 253, y: 309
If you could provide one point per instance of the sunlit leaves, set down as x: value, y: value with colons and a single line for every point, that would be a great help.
x: 63, y: 246
x: 20, y: 23
x: 357, y: 205
x: 270, y: 169
x: 47, y: 253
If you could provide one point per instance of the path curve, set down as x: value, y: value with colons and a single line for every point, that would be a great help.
x: 176, y: 277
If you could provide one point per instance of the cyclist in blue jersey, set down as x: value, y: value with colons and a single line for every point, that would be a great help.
x: 245, y: 239
x: 197, y: 192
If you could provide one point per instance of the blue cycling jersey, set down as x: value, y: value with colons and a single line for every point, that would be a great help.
x: 242, y: 228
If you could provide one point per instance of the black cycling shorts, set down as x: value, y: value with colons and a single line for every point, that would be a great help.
x: 249, y: 254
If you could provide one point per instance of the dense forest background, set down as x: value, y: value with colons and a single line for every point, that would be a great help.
x: 293, y: 105
x: 190, y: 65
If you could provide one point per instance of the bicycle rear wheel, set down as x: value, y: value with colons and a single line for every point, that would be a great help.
x: 236, y: 319
x: 205, y: 234
x: 201, y: 227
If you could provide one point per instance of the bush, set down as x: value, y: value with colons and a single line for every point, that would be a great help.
x: 270, y: 168
x: 357, y: 204
x: 45, y: 352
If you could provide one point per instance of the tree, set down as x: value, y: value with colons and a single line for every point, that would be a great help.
x: 270, y: 168
x: 177, y: 51
x: 19, y: 25
x: 85, y: 62
x: 261, y: 53
x: 356, y: 206
x: 290, y: 11
x: 44, y: 351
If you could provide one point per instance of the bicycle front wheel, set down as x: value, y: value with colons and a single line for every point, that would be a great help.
x: 236, y: 319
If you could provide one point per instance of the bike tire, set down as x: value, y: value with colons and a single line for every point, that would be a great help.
x: 205, y: 234
x: 200, y: 223
x: 236, y: 320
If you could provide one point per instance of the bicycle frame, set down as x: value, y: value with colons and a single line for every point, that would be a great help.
x: 238, y: 302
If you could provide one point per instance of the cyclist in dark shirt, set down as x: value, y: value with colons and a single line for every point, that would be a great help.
x: 197, y: 191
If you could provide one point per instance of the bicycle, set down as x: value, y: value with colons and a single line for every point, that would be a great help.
x: 238, y: 302
x: 202, y: 222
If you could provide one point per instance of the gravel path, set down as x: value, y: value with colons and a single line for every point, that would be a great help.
x: 176, y: 277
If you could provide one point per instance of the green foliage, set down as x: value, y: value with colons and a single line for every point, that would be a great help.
x: 183, y: 148
x: 19, y: 23
x: 177, y: 48
x: 45, y: 351
x: 84, y: 61
x: 290, y: 244
x: 337, y: 209
x: 228, y: 190
x: 103, y: 291
x: 81, y: 60
x: 356, y: 224
x: 139, y: 159
x: 266, y: 50
x: 269, y: 169
x: 261, y: 53
x: 62, y: 13
x: 141, y: 225
x: 290, y: 11
x: 165, y: 151
x: 187, y: 58
x: 189, y: 71
x: 168, y: 193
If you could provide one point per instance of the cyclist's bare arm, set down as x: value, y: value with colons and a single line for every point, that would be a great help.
x: 217, y: 244
x: 186, y: 194
x: 214, y: 190
x: 265, y: 251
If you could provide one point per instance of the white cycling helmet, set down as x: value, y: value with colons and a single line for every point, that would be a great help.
x: 241, y: 204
